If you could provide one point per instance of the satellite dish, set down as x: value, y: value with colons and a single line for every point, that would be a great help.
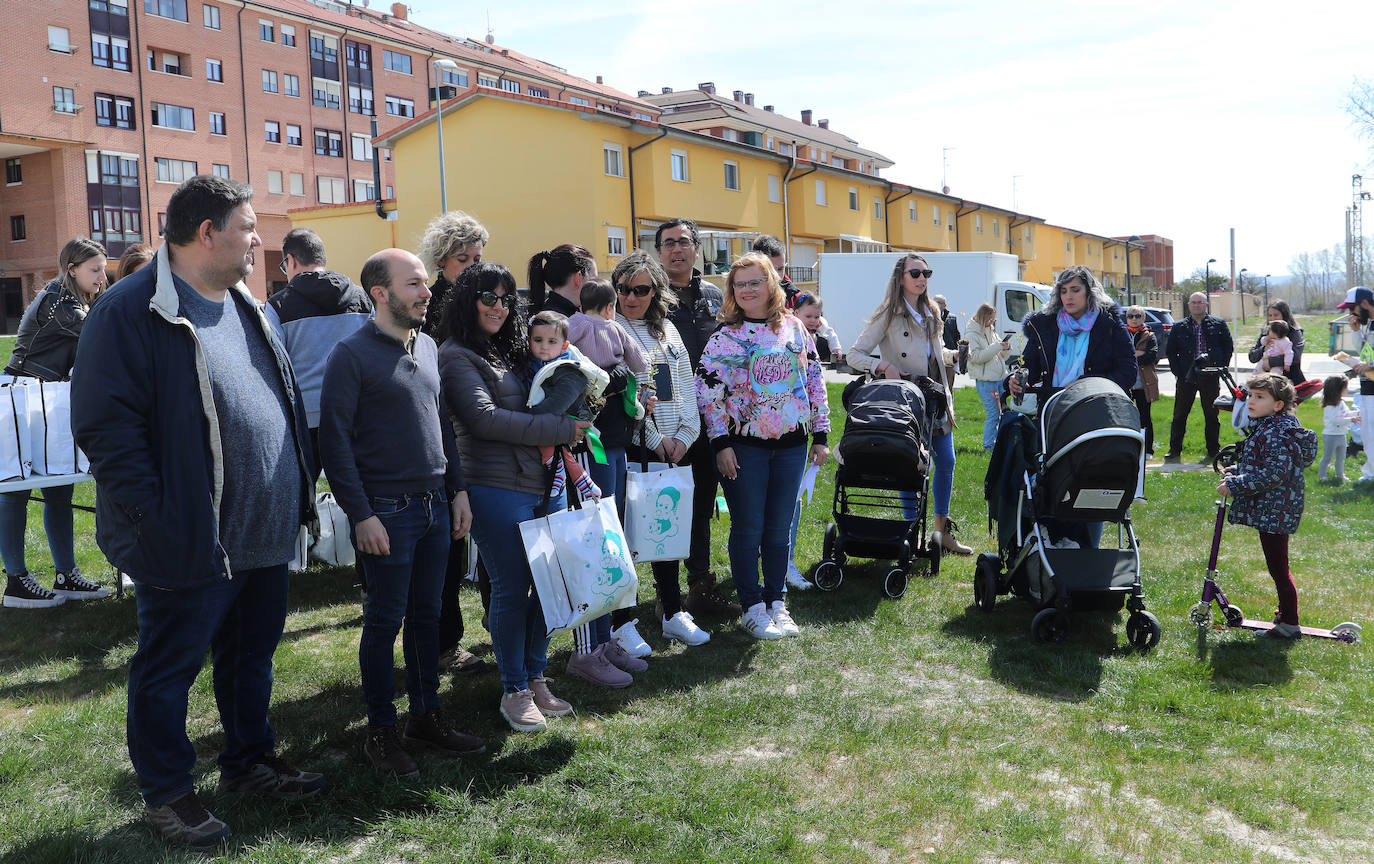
x: 945, y: 190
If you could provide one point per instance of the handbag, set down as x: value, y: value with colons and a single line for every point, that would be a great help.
x: 658, y: 509
x: 53, y: 449
x: 14, y: 431
x: 580, y: 563
x: 333, y: 544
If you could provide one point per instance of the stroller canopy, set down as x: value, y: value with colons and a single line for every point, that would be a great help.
x: 883, y: 435
x: 1092, y: 447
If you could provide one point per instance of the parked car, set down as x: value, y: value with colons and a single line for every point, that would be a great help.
x: 1160, y: 322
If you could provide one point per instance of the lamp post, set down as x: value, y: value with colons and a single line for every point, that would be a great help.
x: 1207, y: 278
x: 441, y: 63
x: 1240, y: 298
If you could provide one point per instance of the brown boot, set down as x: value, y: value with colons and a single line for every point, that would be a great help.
x: 704, y: 598
x: 948, y: 541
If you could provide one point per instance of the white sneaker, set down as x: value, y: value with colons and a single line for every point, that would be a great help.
x: 756, y: 622
x: 795, y: 580
x: 685, y: 630
x: 783, y: 621
x: 630, y: 640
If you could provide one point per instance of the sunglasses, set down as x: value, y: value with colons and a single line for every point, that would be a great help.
x: 1128, y: 317
x: 917, y: 273
x: 282, y: 268
x: 638, y: 290
x: 491, y: 298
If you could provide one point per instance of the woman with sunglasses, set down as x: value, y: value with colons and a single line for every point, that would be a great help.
x: 481, y: 365
x: 907, y: 332
x: 1146, y: 389
x: 762, y: 395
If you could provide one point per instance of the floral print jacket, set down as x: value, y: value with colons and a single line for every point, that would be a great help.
x: 760, y: 387
x: 1268, y: 481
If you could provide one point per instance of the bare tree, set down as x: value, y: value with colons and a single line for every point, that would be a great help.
x: 1359, y: 104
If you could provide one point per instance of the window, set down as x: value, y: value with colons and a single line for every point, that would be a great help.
x: 64, y: 100
x: 363, y: 190
x: 456, y: 77
x: 878, y: 208
x: 820, y: 193
x: 18, y: 231
x: 396, y: 61
x: 217, y: 123
x: 774, y: 189
x: 731, y: 175
x: 390, y: 192
x: 935, y: 213
x: 1068, y: 245
x: 221, y: 171
x: 269, y: 81
x: 173, y: 116
x: 730, y: 134
x: 290, y: 84
x: 611, y: 157
x: 853, y: 198
x: 293, y: 134
x: 273, y: 130
x: 360, y: 100
x: 173, y: 170
x: 400, y: 107
x: 214, y: 70
x: 679, y: 163
x: 274, y: 182
x: 59, y: 40
x: 996, y: 229
x: 784, y: 149
x: 124, y: 112
x: 161, y: 224
x: 331, y: 190
x: 575, y: 100
x: 324, y: 93
x: 211, y: 15
x: 328, y: 143
x: 297, y: 183
x: 510, y: 86
x: 361, y: 147
x: 14, y: 172
x: 112, y: 52
x: 169, y: 62
x: 539, y: 91
x: 488, y: 81
x: 911, y: 211
x: 358, y: 56
x: 266, y: 31
x: 165, y: 8
x: 640, y: 115
x: 615, y: 240
x: 978, y: 223
x: 323, y: 47
x: 288, y: 35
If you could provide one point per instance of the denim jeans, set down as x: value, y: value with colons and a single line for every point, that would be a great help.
x: 57, y: 524
x: 942, y: 481
x: 240, y: 622
x: 516, y: 618
x: 992, y: 411
x: 762, y: 500
x: 405, y: 586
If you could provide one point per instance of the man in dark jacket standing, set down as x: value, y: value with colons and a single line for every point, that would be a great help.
x: 1199, y: 341
x: 678, y: 242
x: 315, y: 310
x: 190, y: 414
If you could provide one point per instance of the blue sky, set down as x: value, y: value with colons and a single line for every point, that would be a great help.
x: 1184, y: 119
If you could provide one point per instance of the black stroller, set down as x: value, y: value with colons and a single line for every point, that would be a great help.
x: 1081, y: 464
x: 882, y: 483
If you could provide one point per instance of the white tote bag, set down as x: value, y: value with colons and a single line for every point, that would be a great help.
x: 300, y: 557
x: 658, y: 511
x: 580, y: 563
x: 14, y: 431
x: 333, y: 545
x: 53, y: 448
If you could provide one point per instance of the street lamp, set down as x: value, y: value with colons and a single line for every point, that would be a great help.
x: 1207, y: 278
x: 441, y: 63
x: 1240, y: 298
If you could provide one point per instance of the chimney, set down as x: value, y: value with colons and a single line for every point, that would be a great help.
x: 505, y: 52
x: 642, y: 93
x: 399, y: 10
x: 667, y: 89
x: 806, y: 116
x: 824, y: 124
x: 708, y: 87
x: 598, y: 79
x: 768, y: 108
x: 739, y: 95
x: 748, y: 98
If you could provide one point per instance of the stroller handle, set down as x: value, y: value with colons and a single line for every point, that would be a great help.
x: 1216, y: 536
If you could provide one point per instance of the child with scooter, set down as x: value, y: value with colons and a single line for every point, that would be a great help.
x: 1267, y: 483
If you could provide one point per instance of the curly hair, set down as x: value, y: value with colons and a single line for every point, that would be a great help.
x: 448, y: 234
x: 664, y: 297
x: 507, y: 348
x: 1096, y: 297
x: 730, y: 312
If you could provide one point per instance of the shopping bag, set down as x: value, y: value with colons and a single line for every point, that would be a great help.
x: 14, y: 431
x: 300, y: 557
x: 658, y: 511
x: 53, y: 449
x: 581, y: 564
x: 332, y: 544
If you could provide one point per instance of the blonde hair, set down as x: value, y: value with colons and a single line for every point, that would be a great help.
x: 730, y: 312
x: 447, y: 235
x: 985, y: 315
x: 894, y: 302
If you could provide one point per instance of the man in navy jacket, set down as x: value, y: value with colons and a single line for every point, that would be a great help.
x: 1197, y: 342
x: 194, y: 425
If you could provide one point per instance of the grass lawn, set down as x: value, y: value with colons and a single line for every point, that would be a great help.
x: 913, y: 730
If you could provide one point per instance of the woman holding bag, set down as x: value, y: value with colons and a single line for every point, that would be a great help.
x: 1146, y: 389
x: 46, y: 349
x: 644, y: 301
x: 987, y: 355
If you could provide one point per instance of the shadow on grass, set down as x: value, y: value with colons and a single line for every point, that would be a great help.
x: 1239, y: 661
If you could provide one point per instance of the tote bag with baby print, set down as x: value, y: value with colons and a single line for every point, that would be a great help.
x: 581, y: 564
x: 658, y: 511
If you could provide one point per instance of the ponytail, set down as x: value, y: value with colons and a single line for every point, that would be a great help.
x: 535, y: 274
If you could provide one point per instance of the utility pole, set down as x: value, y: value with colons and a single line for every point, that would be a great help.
x: 944, y: 169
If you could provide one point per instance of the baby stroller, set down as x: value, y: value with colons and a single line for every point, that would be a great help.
x: 1080, y: 464
x: 882, y: 483
x: 1233, y: 398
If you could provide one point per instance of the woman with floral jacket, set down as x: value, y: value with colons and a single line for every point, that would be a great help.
x: 761, y: 394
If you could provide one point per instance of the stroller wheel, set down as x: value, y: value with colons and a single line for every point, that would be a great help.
x: 1234, y: 616
x: 1226, y: 458
x: 985, y: 574
x: 933, y: 551
x: 1142, y: 630
x: 894, y: 583
x: 828, y: 576
x: 1050, y: 625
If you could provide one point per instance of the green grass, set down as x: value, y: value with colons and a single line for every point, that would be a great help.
x: 910, y: 730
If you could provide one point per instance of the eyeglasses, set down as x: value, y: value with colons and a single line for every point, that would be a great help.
x: 637, y: 290
x: 491, y: 298
x: 751, y: 284
x: 673, y: 243
x: 282, y: 267
x: 917, y: 273
x: 1128, y: 317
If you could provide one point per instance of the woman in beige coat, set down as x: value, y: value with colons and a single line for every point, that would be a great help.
x: 906, y: 331
x: 987, y: 354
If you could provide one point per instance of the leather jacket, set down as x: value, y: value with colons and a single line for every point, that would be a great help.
x: 45, y: 347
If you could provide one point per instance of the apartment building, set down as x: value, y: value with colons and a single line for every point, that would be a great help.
x: 109, y: 104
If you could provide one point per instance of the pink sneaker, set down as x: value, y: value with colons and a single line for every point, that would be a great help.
x: 622, y: 659
x: 596, y: 669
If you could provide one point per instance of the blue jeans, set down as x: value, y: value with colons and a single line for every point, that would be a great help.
x: 406, y: 585
x: 611, y: 480
x: 992, y: 411
x: 516, y: 618
x: 942, y: 482
x: 57, y: 524
x: 240, y: 622
x: 762, y: 500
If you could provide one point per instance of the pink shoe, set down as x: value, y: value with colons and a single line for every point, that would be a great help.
x: 594, y: 668
x: 622, y: 659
